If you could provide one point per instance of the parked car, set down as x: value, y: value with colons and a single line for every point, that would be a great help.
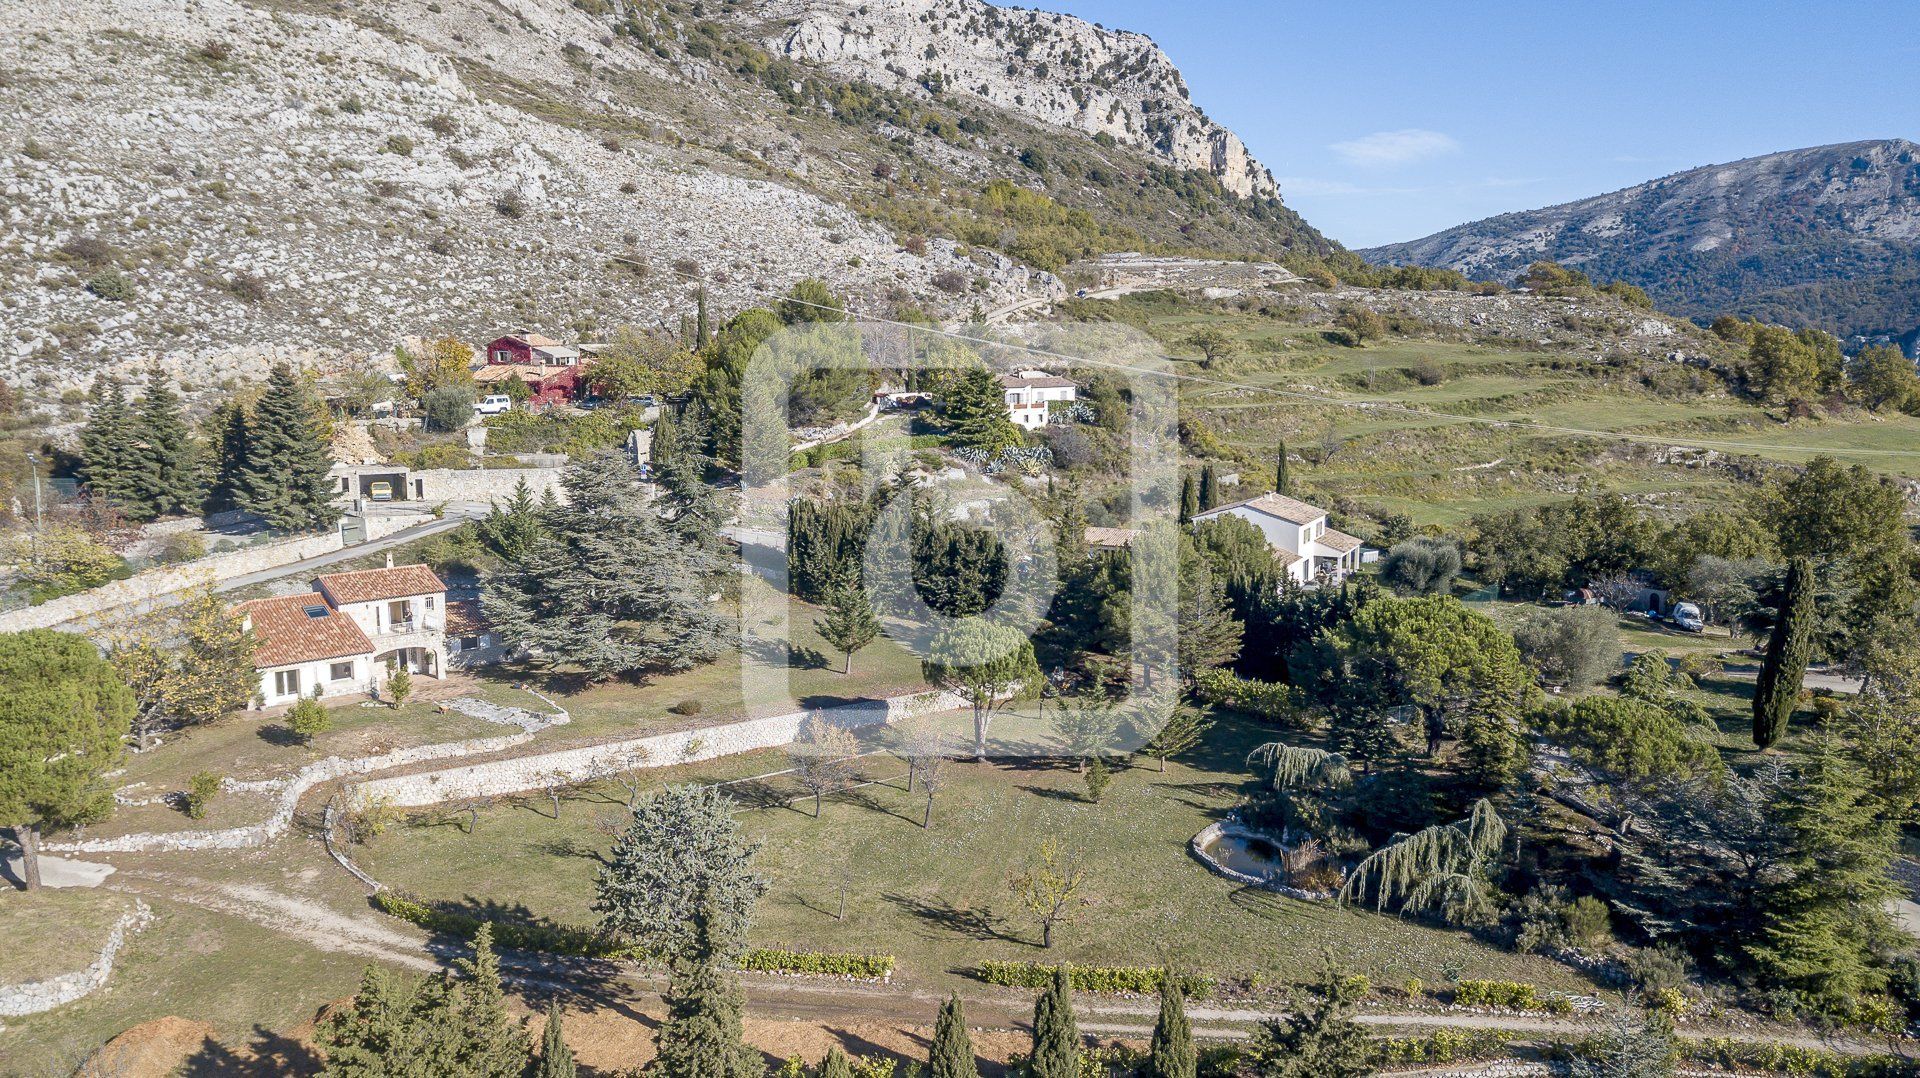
x: 1686, y: 618
x: 588, y: 404
x: 494, y: 404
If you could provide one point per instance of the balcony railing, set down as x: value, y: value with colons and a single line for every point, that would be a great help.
x: 403, y: 628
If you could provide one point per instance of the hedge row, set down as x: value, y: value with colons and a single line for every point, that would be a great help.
x: 1793, y: 1059
x: 577, y: 942
x: 871, y: 967
x: 1508, y: 995
x: 1261, y: 699
x: 1445, y: 1046
x: 1117, y: 980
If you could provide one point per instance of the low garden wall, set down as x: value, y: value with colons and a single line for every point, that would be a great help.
x: 499, y: 778
x: 292, y: 789
x: 481, y: 484
x: 155, y: 583
x: 36, y: 996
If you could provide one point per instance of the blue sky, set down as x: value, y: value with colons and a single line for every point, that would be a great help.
x: 1387, y: 120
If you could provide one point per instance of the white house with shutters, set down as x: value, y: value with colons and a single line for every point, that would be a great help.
x: 342, y: 637
x: 1030, y: 394
x: 1298, y: 533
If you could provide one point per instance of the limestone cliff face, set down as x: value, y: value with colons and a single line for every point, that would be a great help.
x: 1054, y: 68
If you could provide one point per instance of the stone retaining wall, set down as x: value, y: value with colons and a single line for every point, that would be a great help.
x: 1229, y: 829
x: 482, y: 484
x: 155, y: 583
x: 502, y: 777
x: 36, y: 996
x: 291, y: 790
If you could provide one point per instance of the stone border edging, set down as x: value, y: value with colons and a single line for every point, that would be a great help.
x: 525, y: 773
x: 294, y: 788
x: 1230, y: 829
x: 34, y: 997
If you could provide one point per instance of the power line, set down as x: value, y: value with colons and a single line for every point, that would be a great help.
x: 1367, y: 403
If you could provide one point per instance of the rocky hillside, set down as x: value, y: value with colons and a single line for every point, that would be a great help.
x: 1828, y: 236
x: 220, y: 182
x: 1057, y: 69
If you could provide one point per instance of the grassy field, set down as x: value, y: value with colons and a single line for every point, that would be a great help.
x: 938, y: 898
x: 1429, y: 448
x: 55, y: 931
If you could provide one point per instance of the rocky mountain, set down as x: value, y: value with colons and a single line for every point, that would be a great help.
x: 220, y: 182
x: 1828, y: 236
x: 1057, y: 69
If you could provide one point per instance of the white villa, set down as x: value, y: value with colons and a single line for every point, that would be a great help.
x: 1029, y: 393
x: 340, y: 638
x: 1299, y: 536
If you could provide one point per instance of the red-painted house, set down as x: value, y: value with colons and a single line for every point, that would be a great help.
x: 529, y: 348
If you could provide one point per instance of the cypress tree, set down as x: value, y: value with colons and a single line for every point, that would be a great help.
x: 1173, y: 1054
x: 1280, y: 477
x: 166, y: 481
x: 1189, y: 498
x: 1789, y: 650
x: 701, y: 1036
x: 556, y: 1059
x: 490, y: 1046
x: 284, y: 479
x: 1056, y: 1036
x: 850, y: 623
x: 702, y: 331
x: 108, y: 448
x: 1209, y: 488
x: 952, y: 1054
x: 836, y: 1064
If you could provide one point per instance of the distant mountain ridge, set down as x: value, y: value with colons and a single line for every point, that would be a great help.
x: 1827, y: 236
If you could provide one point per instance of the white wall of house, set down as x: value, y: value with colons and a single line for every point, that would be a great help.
x: 324, y: 678
x: 413, y: 613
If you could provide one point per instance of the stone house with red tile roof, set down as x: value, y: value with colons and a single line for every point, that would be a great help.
x: 344, y: 636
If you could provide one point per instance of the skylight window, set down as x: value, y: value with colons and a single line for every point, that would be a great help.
x: 316, y: 611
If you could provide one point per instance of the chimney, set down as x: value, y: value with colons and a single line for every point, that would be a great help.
x: 389, y: 559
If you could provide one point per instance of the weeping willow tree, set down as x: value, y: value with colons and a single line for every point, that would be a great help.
x: 1295, y: 770
x: 1443, y: 867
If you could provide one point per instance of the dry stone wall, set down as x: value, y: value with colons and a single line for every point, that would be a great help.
x: 36, y: 996
x: 498, y: 778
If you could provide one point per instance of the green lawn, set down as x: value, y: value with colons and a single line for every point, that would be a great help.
x: 52, y: 931
x: 938, y: 898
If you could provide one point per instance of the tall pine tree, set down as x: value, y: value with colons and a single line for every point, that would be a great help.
x: 284, y: 479
x: 1789, y: 650
x: 1056, y: 1036
x: 1209, y: 488
x: 1189, y: 498
x: 226, y: 437
x: 1280, y: 477
x: 491, y: 1046
x: 1172, y: 1054
x: 167, y: 478
x: 556, y: 1059
x: 952, y: 1052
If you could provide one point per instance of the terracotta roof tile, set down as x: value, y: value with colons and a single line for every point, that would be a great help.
x: 464, y: 618
x: 287, y: 633
x: 1013, y: 382
x: 372, y: 585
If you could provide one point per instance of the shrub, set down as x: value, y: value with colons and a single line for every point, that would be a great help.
x: 1115, y: 980
x: 1570, y: 646
x: 1656, y: 969
x: 111, y: 284
x: 1360, y: 323
x: 443, y: 125
x: 510, y: 204
x: 247, y: 286
x: 308, y: 720
x: 1262, y: 699
x: 1508, y: 996
x: 686, y: 707
x: 183, y: 547
x: 950, y: 281
x: 1428, y: 373
x: 1446, y: 1046
x: 399, y: 144
x: 447, y: 408
x: 1793, y: 1059
x: 866, y: 967
x: 201, y: 790
x: 1421, y: 566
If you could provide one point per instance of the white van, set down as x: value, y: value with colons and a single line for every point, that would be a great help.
x: 494, y: 404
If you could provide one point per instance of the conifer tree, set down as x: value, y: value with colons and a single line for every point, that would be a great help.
x: 701, y: 1035
x: 512, y: 526
x: 108, y: 447
x: 850, y: 623
x: 1172, y: 1054
x: 952, y: 1053
x: 976, y: 412
x: 1789, y: 650
x: 1189, y: 498
x: 491, y: 1047
x: 836, y: 1064
x: 284, y: 479
x: 556, y: 1059
x: 1056, y: 1036
x: 702, y: 331
x: 362, y: 1037
x: 166, y: 480
x: 1318, y: 1040
x: 1280, y: 477
x: 1209, y: 488
x: 226, y: 435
